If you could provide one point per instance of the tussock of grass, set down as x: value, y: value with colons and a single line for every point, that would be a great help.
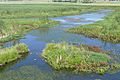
x: 64, y: 56
x: 10, y: 54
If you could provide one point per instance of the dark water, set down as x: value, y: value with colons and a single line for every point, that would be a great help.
x: 34, y: 67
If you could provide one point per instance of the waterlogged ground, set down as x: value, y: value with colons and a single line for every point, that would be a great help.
x: 32, y: 67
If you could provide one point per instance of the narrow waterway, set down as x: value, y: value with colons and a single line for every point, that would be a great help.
x: 34, y: 67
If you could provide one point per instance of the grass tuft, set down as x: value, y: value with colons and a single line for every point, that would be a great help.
x: 13, y: 53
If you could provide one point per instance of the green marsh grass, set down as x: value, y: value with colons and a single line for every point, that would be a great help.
x: 14, y: 29
x: 107, y: 29
x: 79, y: 59
x: 17, y: 19
x: 42, y: 10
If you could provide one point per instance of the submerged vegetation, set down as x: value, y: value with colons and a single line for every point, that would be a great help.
x: 78, y: 58
x: 13, y: 53
x: 29, y: 73
x: 107, y: 29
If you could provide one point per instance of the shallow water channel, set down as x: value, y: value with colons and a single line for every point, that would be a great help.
x: 33, y: 67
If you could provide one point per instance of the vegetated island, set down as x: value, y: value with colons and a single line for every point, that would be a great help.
x: 13, y: 53
x: 81, y: 58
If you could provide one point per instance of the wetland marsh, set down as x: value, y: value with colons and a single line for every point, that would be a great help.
x: 34, y: 66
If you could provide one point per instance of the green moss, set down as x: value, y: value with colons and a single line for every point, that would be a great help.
x: 10, y: 54
x: 64, y: 56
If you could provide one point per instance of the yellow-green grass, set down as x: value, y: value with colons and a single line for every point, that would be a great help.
x: 79, y: 59
x: 13, y: 53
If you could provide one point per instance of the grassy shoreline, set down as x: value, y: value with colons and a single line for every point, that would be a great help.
x: 106, y: 30
x: 18, y: 28
x: 78, y: 59
x: 16, y: 20
x: 13, y: 53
